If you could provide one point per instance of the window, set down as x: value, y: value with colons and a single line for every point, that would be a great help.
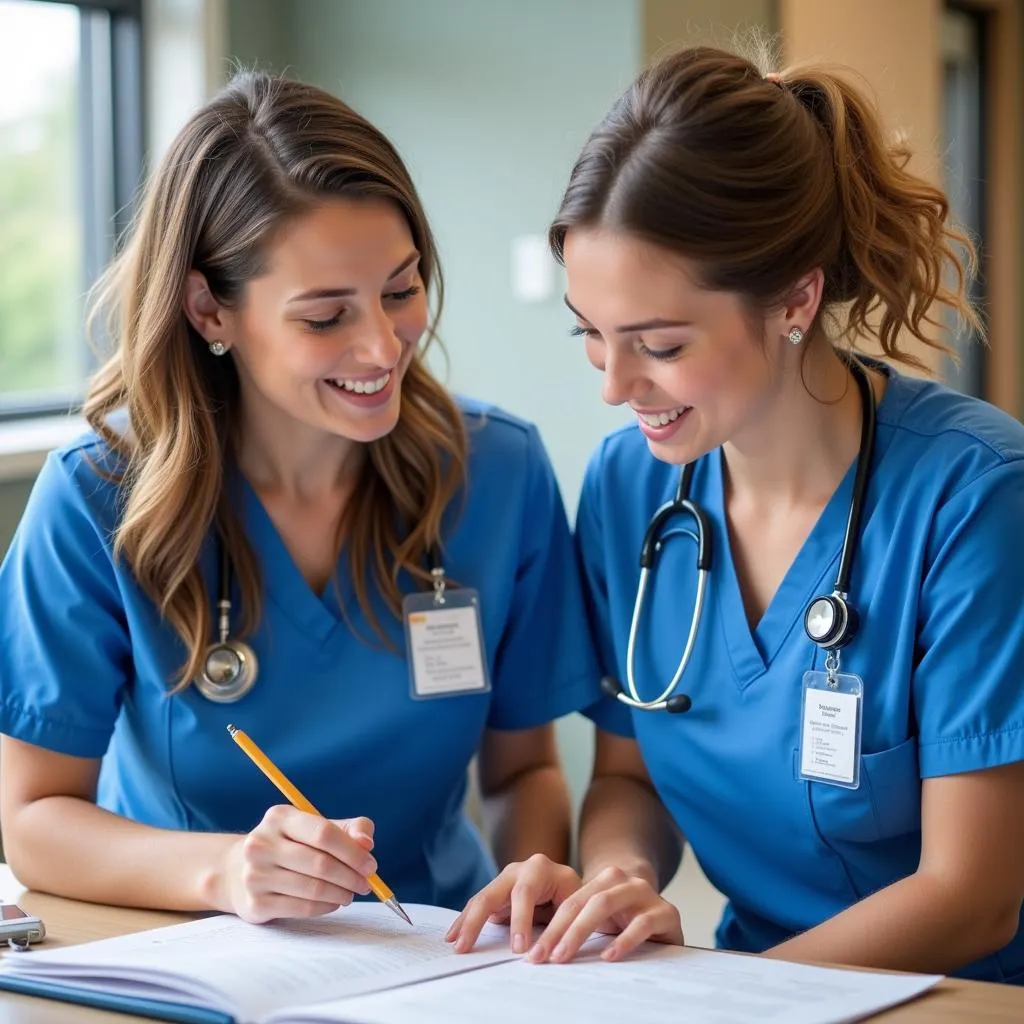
x: 70, y: 159
x: 964, y: 107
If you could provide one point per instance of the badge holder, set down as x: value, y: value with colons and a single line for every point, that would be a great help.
x: 831, y: 713
x: 445, y: 641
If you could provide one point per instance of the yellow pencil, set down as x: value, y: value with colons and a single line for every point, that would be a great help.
x: 296, y: 799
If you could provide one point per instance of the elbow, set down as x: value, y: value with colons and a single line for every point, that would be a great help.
x: 1000, y: 929
x: 21, y: 850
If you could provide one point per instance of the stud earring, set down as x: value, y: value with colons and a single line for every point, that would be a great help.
x: 218, y: 348
x: 795, y: 336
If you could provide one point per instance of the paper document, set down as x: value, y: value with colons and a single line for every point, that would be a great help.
x: 361, y: 965
x: 249, y: 971
x: 663, y: 985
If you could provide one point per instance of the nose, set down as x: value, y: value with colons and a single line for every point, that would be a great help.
x: 622, y: 381
x: 379, y: 343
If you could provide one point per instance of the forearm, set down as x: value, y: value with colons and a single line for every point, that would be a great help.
x: 70, y: 847
x: 532, y: 814
x: 917, y: 924
x: 624, y: 824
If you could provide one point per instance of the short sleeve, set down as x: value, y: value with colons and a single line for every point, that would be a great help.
x: 968, y: 686
x: 544, y: 665
x: 64, y: 646
x: 607, y: 713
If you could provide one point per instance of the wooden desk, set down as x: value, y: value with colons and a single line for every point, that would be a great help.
x: 68, y: 922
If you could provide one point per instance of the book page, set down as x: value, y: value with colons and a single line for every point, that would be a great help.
x: 252, y: 970
x: 661, y: 985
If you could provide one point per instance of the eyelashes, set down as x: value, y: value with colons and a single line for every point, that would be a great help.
x: 319, y: 326
x: 662, y: 355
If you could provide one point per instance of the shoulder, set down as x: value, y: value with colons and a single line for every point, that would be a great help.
x: 78, y: 480
x: 499, y: 443
x: 942, y: 438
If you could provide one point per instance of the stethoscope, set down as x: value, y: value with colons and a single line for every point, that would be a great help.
x: 230, y: 668
x: 830, y: 620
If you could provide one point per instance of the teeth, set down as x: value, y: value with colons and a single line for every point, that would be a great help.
x: 362, y: 387
x: 662, y: 419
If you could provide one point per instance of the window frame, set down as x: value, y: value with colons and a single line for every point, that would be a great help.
x: 111, y: 104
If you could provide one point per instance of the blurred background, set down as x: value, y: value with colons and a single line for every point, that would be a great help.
x: 488, y: 101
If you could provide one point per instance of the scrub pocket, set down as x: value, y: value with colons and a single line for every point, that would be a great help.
x: 887, y: 803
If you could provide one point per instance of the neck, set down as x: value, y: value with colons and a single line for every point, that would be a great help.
x: 801, y: 445
x: 292, y: 461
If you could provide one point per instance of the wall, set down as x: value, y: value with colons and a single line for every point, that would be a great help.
x: 488, y: 105
x: 729, y: 24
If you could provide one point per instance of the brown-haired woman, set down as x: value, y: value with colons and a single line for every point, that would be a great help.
x: 849, y: 770
x: 272, y: 461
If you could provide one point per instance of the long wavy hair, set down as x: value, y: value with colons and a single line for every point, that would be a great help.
x: 265, y: 150
x: 759, y: 179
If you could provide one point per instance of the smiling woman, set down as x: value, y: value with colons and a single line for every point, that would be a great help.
x: 271, y: 453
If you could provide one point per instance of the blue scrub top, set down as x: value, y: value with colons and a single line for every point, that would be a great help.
x: 938, y: 579
x: 85, y: 662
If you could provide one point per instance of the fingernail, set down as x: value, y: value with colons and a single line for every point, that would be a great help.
x: 537, y: 953
x: 610, y: 954
x: 559, y: 952
x: 518, y: 943
x: 462, y: 945
x: 369, y: 867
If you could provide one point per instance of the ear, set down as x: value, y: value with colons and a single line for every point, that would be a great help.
x: 801, y: 303
x: 204, y: 312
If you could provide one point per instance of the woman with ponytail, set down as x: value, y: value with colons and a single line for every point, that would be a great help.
x: 270, y: 453
x: 850, y: 769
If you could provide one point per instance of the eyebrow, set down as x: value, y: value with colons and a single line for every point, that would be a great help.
x: 655, y: 324
x: 342, y: 293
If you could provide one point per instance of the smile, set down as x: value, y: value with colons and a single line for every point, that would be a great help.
x: 661, y: 419
x: 361, y: 387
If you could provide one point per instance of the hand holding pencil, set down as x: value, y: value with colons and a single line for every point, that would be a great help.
x: 296, y: 863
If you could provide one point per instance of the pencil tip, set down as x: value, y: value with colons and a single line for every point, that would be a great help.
x: 400, y: 911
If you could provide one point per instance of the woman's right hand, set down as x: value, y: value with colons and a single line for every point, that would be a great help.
x: 295, y: 864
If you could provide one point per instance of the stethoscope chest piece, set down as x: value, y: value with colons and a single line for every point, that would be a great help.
x: 229, y: 667
x: 229, y: 672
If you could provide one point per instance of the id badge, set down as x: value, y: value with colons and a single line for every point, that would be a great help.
x: 445, y: 642
x: 830, y: 728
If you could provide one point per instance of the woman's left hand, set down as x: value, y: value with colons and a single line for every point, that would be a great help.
x: 538, y: 891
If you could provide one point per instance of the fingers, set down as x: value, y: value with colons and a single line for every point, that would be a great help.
x: 263, y: 907
x: 609, y: 902
x: 330, y: 837
x: 659, y: 924
x: 328, y: 879
x: 300, y: 865
x: 493, y: 899
x: 360, y: 829
x: 515, y: 896
x: 539, y: 884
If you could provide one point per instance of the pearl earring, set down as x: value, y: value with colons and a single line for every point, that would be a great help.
x: 218, y: 348
x: 795, y: 336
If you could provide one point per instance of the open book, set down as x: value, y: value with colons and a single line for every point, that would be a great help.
x: 360, y: 965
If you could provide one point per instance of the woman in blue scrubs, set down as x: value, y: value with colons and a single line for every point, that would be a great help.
x: 269, y: 400
x: 712, y: 227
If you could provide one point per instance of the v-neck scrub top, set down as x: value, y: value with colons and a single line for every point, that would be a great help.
x: 86, y: 665
x: 938, y: 580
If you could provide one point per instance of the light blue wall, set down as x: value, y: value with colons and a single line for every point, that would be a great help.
x: 489, y: 104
